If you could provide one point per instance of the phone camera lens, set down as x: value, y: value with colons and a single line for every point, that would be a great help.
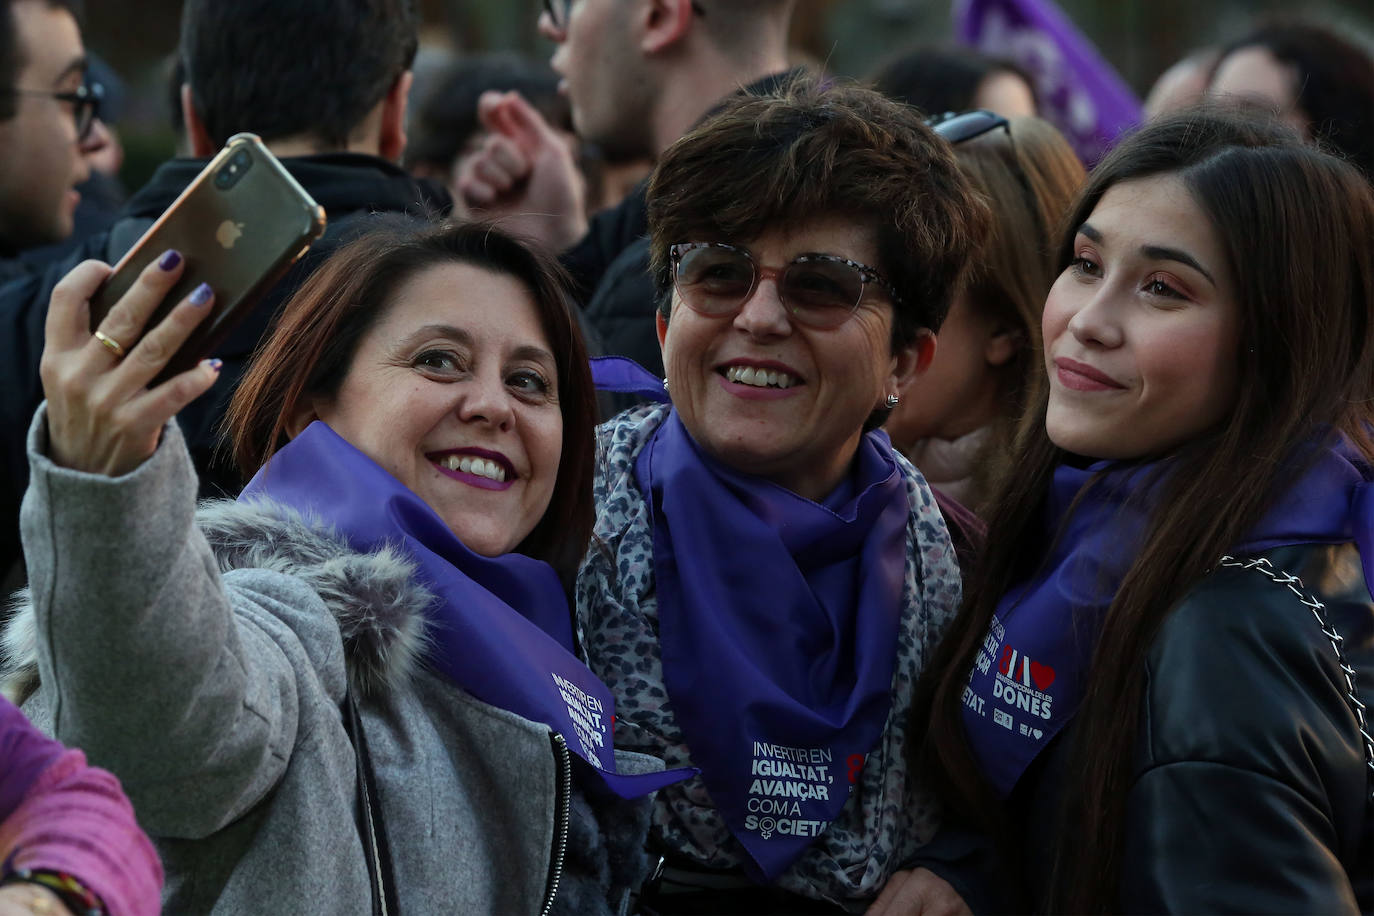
x: 230, y: 173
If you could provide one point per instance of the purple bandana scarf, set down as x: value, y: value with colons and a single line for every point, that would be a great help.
x: 778, y: 624
x: 625, y: 376
x: 1029, y: 676
x: 500, y: 629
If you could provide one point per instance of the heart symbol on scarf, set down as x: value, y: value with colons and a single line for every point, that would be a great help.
x: 1037, y: 733
x: 1043, y: 675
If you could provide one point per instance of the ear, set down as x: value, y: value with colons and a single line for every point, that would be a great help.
x: 198, y: 139
x: 910, y: 361
x: 1002, y: 344
x: 661, y: 326
x: 392, y: 141
x: 663, y: 24
x: 307, y: 411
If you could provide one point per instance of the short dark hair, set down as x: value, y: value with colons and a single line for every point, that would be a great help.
x: 309, y: 353
x: 446, y: 117
x: 304, y: 68
x: 1334, y: 87
x: 824, y: 149
x: 12, y: 56
x: 937, y: 78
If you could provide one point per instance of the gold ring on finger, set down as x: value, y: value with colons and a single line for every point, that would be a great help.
x: 110, y: 343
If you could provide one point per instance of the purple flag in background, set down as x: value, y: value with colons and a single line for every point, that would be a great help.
x: 1079, y: 91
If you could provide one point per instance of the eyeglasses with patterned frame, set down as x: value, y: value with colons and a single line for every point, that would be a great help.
x: 817, y: 290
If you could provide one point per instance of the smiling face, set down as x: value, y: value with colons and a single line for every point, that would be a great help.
x: 1141, y: 329
x: 781, y: 400
x: 41, y: 159
x: 454, y: 392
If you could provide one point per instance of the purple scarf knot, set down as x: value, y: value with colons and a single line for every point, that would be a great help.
x: 778, y: 621
x: 500, y: 628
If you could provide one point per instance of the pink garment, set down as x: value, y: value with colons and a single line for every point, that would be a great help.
x: 61, y: 815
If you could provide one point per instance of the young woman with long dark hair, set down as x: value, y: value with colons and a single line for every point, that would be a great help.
x: 1144, y: 696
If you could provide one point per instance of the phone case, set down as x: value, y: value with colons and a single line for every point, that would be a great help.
x: 239, y: 226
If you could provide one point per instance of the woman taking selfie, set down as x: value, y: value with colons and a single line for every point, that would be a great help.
x: 375, y: 629
x: 769, y: 576
x: 1154, y: 690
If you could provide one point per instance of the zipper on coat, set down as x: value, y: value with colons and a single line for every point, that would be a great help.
x: 561, y: 812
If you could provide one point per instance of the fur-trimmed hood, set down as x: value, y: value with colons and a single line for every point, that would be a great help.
x: 375, y: 597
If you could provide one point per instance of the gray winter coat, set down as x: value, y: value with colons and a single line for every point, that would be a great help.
x: 203, y: 660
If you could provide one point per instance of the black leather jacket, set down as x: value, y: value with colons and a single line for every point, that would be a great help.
x: 1251, y: 791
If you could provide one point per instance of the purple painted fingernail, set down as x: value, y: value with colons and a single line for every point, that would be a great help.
x: 214, y: 363
x: 201, y: 294
x: 170, y: 259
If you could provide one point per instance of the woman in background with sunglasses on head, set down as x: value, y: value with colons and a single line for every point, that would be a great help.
x: 768, y: 577
x: 1154, y: 693
x: 956, y: 421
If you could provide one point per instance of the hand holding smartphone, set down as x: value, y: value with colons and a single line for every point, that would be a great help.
x: 239, y: 226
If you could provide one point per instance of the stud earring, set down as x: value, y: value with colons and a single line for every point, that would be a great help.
x: 893, y: 401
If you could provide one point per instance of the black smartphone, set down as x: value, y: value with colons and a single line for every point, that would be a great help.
x: 239, y: 226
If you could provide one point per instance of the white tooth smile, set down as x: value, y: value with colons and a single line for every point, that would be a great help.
x: 479, y: 466
x: 760, y: 378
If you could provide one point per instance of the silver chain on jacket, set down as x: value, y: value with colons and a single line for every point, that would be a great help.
x: 1310, y: 601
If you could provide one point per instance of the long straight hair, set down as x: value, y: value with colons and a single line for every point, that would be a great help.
x: 1295, y: 225
x: 1029, y: 175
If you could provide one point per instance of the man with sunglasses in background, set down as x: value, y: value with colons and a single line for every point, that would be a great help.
x: 639, y: 74
x: 46, y: 113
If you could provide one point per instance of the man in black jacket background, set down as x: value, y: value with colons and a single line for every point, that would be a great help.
x: 324, y: 83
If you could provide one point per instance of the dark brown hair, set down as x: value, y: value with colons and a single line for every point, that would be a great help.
x: 1029, y: 175
x: 937, y: 78
x: 309, y: 68
x: 817, y: 150
x: 311, y: 349
x: 13, y: 57
x: 1295, y: 225
x: 1333, y: 83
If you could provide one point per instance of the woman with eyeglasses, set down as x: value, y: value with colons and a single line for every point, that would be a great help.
x: 768, y: 577
x: 1156, y: 695
x: 956, y: 422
